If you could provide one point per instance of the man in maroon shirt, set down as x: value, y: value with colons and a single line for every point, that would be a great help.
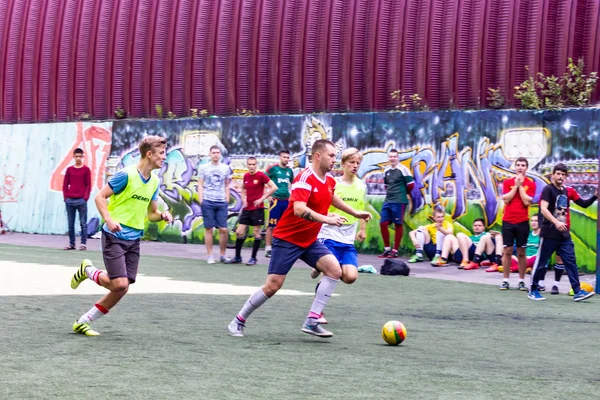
x: 76, y: 192
x: 253, y: 212
x: 517, y: 194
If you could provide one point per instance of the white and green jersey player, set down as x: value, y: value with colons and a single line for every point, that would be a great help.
x: 340, y: 239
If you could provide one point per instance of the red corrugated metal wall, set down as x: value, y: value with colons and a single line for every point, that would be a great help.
x: 62, y: 59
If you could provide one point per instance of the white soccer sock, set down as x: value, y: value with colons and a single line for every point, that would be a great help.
x: 93, y: 273
x: 93, y: 314
x: 267, y: 248
x: 255, y: 300
x: 439, y: 237
x: 420, y: 240
x: 324, y: 292
x: 521, y: 280
x: 556, y: 283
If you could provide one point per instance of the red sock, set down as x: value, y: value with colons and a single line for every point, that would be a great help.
x: 398, y: 236
x: 385, y: 233
x: 101, y: 308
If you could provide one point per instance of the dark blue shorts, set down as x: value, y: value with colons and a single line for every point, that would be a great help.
x: 214, y: 214
x: 284, y: 254
x: 345, y: 253
x: 392, y: 212
x: 276, y: 210
x: 458, y: 256
x: 429, y: 250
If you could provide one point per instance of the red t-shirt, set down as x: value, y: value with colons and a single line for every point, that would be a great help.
x: 317, y: 194
x: 255, y: 188
x: 515, y: 211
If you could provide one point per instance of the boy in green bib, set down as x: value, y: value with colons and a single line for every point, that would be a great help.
x: 133, y: 194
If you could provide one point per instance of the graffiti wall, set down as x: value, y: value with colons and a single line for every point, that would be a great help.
x: 459, y: 160
x: 33, y: 161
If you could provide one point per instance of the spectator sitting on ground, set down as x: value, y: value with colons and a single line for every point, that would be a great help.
x: 471, y: 251
x: 430, y: 238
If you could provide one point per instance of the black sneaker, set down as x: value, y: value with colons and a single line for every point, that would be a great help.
x: 522, y: 287
x: 234, y: 260
x: 385, y: 254
x: 268, y: 253
x: 505, y: 286
x: 541, y: 288
x: 554, y: 290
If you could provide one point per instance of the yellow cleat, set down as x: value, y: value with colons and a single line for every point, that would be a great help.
x: 84, y: 328
x: 80, y: 275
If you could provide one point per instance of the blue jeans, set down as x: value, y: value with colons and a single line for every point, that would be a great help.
x: 80, y: 206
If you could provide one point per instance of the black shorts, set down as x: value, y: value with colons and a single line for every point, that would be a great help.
x: 515, y: 234
x: 252, y: 217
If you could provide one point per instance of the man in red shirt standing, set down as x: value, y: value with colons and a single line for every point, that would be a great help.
x: 253, y: 211
x: 517, y: 194
x: 295, y: 237
x: 76, y: 192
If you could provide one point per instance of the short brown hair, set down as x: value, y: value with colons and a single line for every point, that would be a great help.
x: 522, y: 159
x: 149, y: 143
x: 214, y: 146
x: 320, y: 145
x: 438, y: 210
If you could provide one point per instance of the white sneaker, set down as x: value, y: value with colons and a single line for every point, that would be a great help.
x: 315, y: 273
x: 312, y: 327
x: 236, y: 328
x: 210, y: 260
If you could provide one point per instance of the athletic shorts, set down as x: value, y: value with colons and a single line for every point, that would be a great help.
x: 458, y: 256
x: 252, y: 217
x: 284, y: 254
x: 429, y: 250
x: 345, y: 253
x: 121, y: 257
x: 214, y: 214
x: 276, y: 209
x: 515, y: 233
x: 392, y: 212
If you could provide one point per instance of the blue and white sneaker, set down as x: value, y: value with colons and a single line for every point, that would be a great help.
x: 252, y: 261
x: 535, y: 295
x: 234, y: 260
x: 236, y: 328
x: 312, y: 327
x: 582, y: 295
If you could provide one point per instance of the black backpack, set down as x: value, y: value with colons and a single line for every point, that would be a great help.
x: 394, y: 267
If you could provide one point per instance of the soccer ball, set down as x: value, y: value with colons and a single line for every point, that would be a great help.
x: 585, y: 286
x: 393, y: 332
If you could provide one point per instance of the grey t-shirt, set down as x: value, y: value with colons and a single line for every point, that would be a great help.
x: 214, y: 180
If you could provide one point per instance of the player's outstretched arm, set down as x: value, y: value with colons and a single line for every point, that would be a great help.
x: 102, y: 207
x: 155, y: 216
x: 338, y: 203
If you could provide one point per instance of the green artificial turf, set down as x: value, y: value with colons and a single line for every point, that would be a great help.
x: 465, y: 341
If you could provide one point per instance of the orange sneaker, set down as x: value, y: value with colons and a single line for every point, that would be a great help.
x: 493, y: 268
x: 463, y: 265
x: 440, y: 262
x: 472, y: 265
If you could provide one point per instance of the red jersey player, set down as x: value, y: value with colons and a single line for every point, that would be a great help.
x: 295, y: 237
